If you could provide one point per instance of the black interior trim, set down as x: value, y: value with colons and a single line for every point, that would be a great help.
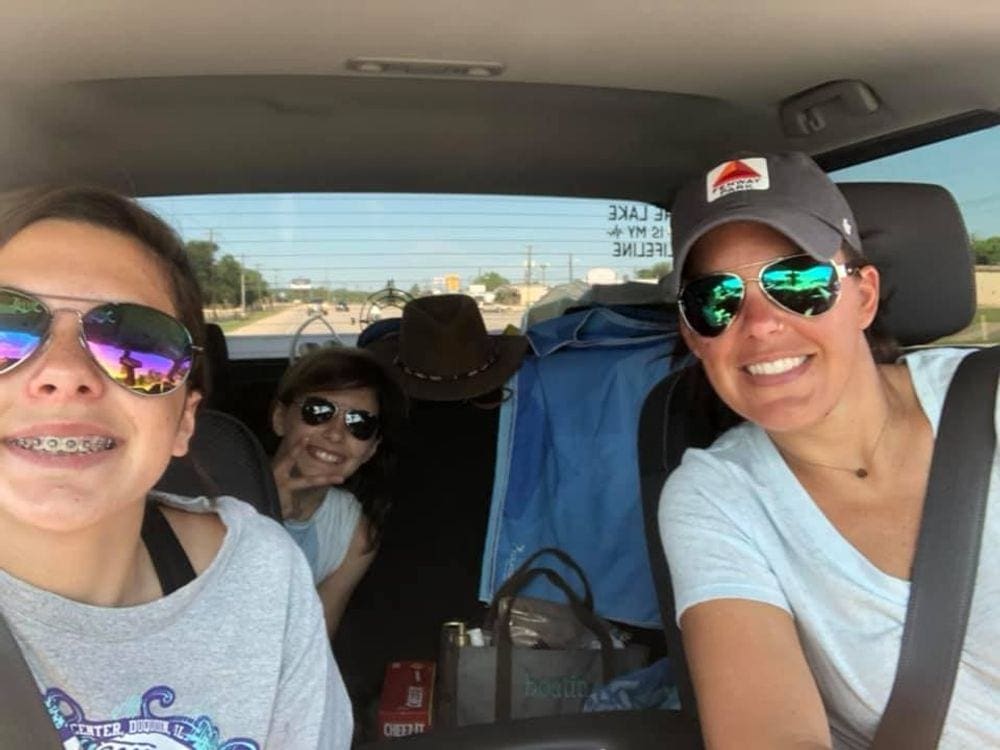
x: 907, y: 139
x: 612, y: 730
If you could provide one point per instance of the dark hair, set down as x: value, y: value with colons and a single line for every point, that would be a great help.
x: 884, y: 347
x: 334, y: 368
x: 109, y: 210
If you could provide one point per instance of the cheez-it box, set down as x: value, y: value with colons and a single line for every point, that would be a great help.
x: 405, y: 706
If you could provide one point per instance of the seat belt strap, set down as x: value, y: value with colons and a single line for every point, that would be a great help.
x: 24, y: 722
x: 944, y: 568
x: 170, y: 561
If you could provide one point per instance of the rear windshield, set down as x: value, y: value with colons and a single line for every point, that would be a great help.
x: 270, y: 263
x: 325, y: 265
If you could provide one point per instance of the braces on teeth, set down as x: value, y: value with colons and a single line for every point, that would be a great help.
x: 50, y: 444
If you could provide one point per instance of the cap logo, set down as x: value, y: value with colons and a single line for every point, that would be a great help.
x: 737, y: 176
x: 847, y: 226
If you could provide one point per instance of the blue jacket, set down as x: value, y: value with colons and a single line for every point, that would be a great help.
x: 567, y: 470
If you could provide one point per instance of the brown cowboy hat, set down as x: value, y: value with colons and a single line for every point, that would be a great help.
x: 443, y: 352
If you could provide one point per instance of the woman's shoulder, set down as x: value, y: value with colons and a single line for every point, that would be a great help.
x: 935, y: 363
x: 931, y: 371
x: 736, y: 450
x: 722, y: 474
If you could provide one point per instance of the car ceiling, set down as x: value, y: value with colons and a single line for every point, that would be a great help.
x: 594, y: 100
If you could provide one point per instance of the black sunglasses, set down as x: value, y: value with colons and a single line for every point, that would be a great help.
x: 362, y: 424
x: 800, y: 284
x: 140, y: 348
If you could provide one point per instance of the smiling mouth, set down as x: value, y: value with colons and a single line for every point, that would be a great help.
x: 63, y: 446
x: 325, y: 456
x: 776, y: 366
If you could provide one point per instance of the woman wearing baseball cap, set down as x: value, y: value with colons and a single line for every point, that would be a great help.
x: 790, y: 539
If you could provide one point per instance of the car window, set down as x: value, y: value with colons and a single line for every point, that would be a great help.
x: 325, y: 265
x: 271, y: 264
x: 966, y: 166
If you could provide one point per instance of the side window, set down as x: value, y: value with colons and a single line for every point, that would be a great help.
x: 966, y: 166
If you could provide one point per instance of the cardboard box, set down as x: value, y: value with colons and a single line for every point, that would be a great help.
x: 407, y: 695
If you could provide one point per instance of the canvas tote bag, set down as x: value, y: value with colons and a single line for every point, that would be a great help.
x: 505, y: 681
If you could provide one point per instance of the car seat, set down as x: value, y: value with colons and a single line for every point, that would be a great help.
x: 224, y: 458
x: 915, y: 235
x: 217, y: 368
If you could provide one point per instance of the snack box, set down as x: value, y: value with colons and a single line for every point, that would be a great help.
x: 407, y: 693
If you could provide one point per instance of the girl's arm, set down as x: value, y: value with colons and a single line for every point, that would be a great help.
x: 335, y: 590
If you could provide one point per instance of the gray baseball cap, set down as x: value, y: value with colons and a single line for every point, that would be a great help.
x: 786, y: 191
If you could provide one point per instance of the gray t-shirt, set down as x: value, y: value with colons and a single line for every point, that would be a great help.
x: 238, y: 659
x: 326, y: 535
x: 736, y: 523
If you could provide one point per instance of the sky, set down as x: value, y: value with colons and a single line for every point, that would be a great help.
x: 360, y: 241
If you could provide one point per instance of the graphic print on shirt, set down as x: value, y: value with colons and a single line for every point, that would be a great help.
x: 143, y: 731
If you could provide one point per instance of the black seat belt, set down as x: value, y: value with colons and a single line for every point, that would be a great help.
x: 946, y: 561
x: 170, y: 561
x: 24, y: 722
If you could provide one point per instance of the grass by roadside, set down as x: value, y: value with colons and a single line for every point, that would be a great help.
x: 985, y: 329
x: 234, y: 324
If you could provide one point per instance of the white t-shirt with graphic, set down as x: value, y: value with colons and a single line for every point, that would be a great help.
x: 238, y: 659
x: 736, y: 523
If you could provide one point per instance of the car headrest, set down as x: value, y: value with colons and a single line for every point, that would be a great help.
x: 217, y: 367
x: 915, y: 235
x: 224, y: 458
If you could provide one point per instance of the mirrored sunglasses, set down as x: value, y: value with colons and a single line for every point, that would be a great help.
x: 361, y: 424
x: 799, y: 284
x: 142, y: 349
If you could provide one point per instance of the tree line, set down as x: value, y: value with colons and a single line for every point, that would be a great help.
x: 221, y: 279
x: 986, y: 251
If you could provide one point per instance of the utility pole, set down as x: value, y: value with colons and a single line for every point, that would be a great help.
x: 527, y: 286
x: 243, y: 286
x: 569, y: 258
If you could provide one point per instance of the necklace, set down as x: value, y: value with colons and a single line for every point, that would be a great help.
x: 860, y: 472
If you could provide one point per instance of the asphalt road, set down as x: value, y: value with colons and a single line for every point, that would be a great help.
x: 286, y: 321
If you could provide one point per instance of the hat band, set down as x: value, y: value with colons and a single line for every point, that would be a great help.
x: 446, y: 378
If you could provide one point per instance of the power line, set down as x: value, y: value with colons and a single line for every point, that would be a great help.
x: 396, y: 240
x: 355, y: 212
x: 382, y: 227
x: 410, y: 253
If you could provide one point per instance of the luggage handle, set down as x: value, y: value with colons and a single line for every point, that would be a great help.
x: 564, y: 558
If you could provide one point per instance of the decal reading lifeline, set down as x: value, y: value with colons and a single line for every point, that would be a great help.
x: 144, y: 731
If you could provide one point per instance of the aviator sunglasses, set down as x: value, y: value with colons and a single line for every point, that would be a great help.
x: 363, y: 425
x: 799, y: 284
x: 142, y: 349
